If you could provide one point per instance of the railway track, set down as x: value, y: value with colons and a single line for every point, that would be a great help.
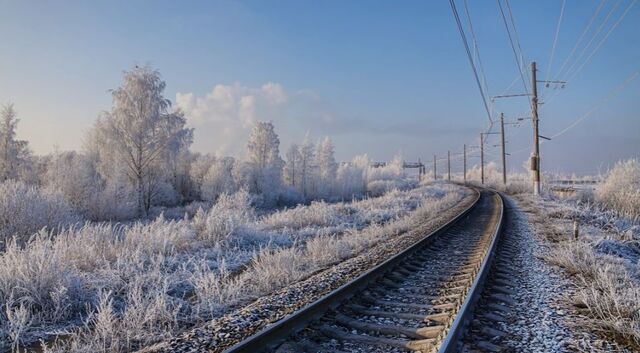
x: 420, y: 300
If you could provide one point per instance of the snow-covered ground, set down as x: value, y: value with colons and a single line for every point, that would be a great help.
x: 120, y: 286
x: 535, y: 318
x: 599, y: 273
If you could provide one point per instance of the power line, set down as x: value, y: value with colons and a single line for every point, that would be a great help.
x: 470, y: 57
x: 477, y: 52
x: 599, y: 104
x: 515, y: 30
x: 506, y: 90
x: 604, y: 38
x: 602, y: 101
x: 584, y: 32
x: 604, y: 22
x: 555, y: 39
x: 513, y: 47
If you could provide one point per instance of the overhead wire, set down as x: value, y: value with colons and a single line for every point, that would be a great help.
x: 615, y: 25
x: 594, y: 51
x: 604, y: 100
x: 555, y: 40
x: 598, y: 105
x: 579, y: 41
x: 470, y: 57
x: 516, y: 35
x: 595, y: 35
x: 477, y: 52
x: 513, y: 47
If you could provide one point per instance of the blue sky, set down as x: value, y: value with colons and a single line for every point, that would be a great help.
x: 377, y: 76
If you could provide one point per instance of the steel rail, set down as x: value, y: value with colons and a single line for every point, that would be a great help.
x: 278, y: 332
x: 452, y: 340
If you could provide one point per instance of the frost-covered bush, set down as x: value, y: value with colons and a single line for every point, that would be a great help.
x: 118, y: 287
x: 391, y: 176
x: 290, y: 197
x: 517, y: 183
x: 26, y: 209
x: 76, y: 177
x: 381, y: 187
x: 165, y: 195
x: 318, y: 214
x: 607, y: 293
x: 219, y: 179
x: 391, y: 171
x: 227, y: 220
x: 115, y: 202
x: 620, y: 190
x: 352, y: 178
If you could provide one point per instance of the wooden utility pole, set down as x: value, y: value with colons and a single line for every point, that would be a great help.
x: 482, y: 157
x: 504, y: 153
x: 535, y: 159
x: 449, y: 165
x: 464, y: 163
x: 435, y: 175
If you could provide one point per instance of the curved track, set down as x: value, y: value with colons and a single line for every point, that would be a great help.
x: 419, y: 300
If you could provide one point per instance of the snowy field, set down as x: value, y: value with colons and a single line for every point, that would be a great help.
x: 119, y: 286
x: 136, y: 237
x: 603, y: 264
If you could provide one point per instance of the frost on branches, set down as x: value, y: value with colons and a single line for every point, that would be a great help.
x: 15, y: 157
x: 142, y: 136
x: 620, y: 190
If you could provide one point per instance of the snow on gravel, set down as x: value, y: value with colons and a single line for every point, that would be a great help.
x: 538, y: 319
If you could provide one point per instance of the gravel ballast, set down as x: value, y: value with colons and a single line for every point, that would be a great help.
x: 536, y: 321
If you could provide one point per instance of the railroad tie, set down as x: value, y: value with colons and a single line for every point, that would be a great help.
x: 416, y: 345
x: 416, y: 333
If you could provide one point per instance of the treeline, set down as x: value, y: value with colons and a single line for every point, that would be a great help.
x: 137, y: 156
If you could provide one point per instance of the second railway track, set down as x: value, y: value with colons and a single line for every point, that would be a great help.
x: 418, y: 301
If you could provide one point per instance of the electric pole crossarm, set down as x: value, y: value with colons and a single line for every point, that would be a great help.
x: 511, y: 95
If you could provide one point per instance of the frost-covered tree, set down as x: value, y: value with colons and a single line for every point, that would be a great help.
x: 14, y: 154
x: 219, y: 179
x: 620, y: 190
x: 292, y: 166
x: 352, y: 177
x: 73, y: 175
x: 327, y: 168
x: 263, y: 156
x: 308, y: 168
x: 143, y: 135
x: 198, y: 168
x: 26, y: 209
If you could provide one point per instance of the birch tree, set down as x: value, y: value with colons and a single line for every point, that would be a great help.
x: 263, y: 155
x: 327, y: 167
x: 219, y: 179
x: 14, y: 154
x: 142, y: 133
x: 307, y: 168
x: 292, y: 166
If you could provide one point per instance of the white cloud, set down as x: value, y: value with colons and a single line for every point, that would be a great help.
x: 224, y: 116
